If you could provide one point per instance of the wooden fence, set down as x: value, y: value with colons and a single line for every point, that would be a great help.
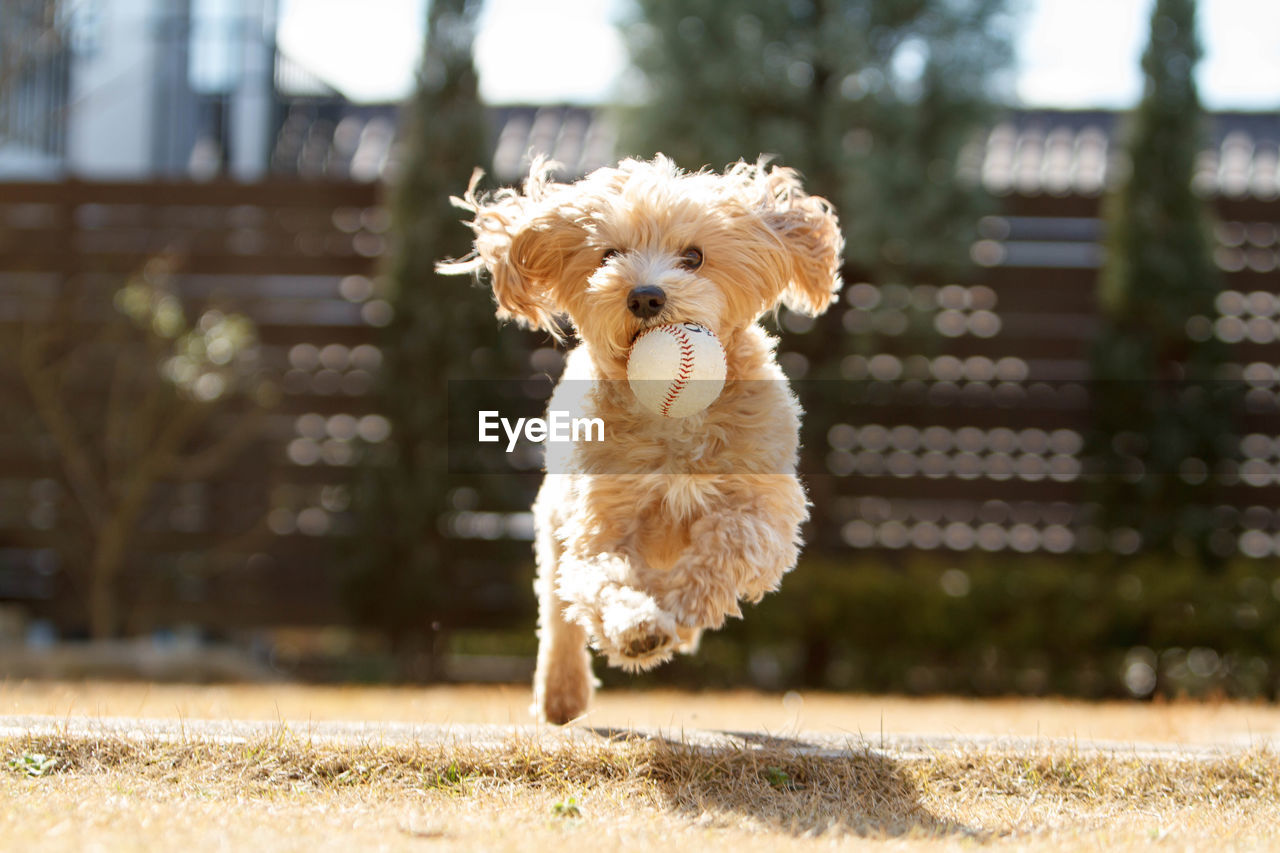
x: 300, y: 259
x: 984, y: 456
x: 988, y: 456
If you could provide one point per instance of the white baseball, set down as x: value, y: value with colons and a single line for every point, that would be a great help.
x: 676, y: 370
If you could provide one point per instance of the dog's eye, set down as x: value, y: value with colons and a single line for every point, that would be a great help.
x: 609, y: 254
x: 691, y: 259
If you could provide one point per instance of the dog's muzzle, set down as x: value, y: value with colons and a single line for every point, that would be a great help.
x: 646, y: 301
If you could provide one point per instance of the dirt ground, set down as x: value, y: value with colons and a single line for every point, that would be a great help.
x: 1178, y: 722
x: 283, y: 793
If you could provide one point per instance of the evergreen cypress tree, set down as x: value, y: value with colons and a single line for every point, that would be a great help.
x: 872, y: 100
x: 405, y: 578
x: 1158, y: 406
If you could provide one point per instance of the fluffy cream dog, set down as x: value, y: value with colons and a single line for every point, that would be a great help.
x: 657, y: 533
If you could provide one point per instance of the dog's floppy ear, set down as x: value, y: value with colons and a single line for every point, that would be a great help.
x: 810, y: 234
x: 523, y: 241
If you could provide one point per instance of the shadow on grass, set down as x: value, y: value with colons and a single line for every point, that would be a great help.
x: 787, y: 786
x: 716, y: 780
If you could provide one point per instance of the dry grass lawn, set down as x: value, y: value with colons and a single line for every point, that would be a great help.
x: 285, y: 792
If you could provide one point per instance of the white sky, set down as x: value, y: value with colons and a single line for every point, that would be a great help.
x: 1072, y: 53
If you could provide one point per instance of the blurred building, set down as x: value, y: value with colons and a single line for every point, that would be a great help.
x: 199, y: 88
x: 34, y: 80
x: 151, y: 88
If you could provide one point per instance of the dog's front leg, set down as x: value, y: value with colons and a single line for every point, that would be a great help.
x: 624, y: 622
x: 738, y: 552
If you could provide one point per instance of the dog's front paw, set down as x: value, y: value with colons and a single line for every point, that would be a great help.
x: 641, y: 646
x: 635, y: 633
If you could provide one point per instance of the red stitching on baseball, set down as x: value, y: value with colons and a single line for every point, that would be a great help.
x: 682, y: 376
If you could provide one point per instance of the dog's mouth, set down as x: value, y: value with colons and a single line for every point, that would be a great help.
x: 662, y: 319
x: 643, y: 326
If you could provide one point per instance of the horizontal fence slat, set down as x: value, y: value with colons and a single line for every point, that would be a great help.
x: 207, y: 264
x: 271, y: 193
x: 1228, y: 208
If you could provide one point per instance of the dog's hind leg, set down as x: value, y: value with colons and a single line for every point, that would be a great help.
x: 690, y: 638
x: 563, y: 683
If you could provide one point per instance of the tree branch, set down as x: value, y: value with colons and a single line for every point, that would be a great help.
x: 205, y: 463
x: 116, y: 431
x: 77, y: 464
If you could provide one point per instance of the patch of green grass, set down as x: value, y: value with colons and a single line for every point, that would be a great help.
x: 33, y: 764
x: 451, y: 777
x: 567, y: 808
x: 780, y: 779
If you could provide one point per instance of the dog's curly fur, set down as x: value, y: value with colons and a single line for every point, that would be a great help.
x: 648, y: 538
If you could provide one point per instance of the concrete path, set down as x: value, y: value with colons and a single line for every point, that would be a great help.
x: 900, y: 747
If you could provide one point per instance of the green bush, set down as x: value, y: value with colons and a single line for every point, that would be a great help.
x: 986, y: 624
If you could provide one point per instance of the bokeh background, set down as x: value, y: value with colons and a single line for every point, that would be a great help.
x: 1042, y: 437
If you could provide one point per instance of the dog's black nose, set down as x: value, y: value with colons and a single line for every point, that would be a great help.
x: 646, y: 301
